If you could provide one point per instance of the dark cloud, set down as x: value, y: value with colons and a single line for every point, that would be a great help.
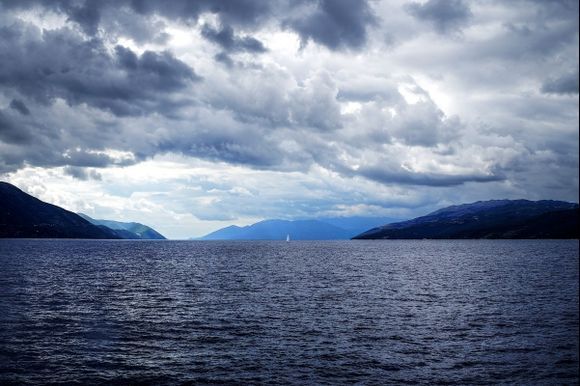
x: 554, y: 9
x: 85, y: 158
x: 11, y: 131
x: 336, y: 24
x: 19, y: 106
x: 46, y: 65
x: 239, y: 12
x: 88, y: 14
x: 564, y: 84
x: 445, y: 15
x: 224, y: 58
x: 404, y: 177
x: 535, y: 39
x: 82, y: 173
x: 219, y: 137
x: 227, y: 40
x: 235, y: 150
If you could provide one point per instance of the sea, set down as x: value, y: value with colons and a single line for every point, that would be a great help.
x: 364, y: 312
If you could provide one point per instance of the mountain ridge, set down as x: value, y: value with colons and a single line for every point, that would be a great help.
x: 274, y: 229
x: 25, y: 216
x: 494, y: 219
x: 324, y: 228
x: 127, y: 230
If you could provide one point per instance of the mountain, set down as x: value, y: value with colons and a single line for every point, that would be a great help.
x: 495, y: 219
x: 278, y: 229
x: 331, y: 228
x: 231, y: 232
x: 24, y: 216
x: 357, y: 224
x: 127, y: 230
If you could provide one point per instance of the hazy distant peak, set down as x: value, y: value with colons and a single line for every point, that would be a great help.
x: 304, y: 229
x: 133, y: 230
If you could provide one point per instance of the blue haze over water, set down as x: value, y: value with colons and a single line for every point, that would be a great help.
x: 333, y: 312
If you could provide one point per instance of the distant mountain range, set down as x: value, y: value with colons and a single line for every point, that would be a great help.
x: 127, y: 230
x: 24, y: 216
x: 335, y: 228
x: 496, y: 219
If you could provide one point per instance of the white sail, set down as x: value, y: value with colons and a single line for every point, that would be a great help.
x: 287, y: 238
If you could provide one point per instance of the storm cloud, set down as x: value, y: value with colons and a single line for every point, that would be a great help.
x: 445, y: 15
x: 335, y: 23
x: 225, y: 38
x: 564, y: 84
x: 46, y: 65
x: 19, y: 106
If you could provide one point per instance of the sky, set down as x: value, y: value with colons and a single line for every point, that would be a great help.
x: 189, y: 116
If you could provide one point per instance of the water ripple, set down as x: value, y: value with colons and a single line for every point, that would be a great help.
x: 367, y: 312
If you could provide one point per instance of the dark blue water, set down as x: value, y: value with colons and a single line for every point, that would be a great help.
x: 367, y: 312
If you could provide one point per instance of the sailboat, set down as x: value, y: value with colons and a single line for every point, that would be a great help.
x: 287, y: 238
